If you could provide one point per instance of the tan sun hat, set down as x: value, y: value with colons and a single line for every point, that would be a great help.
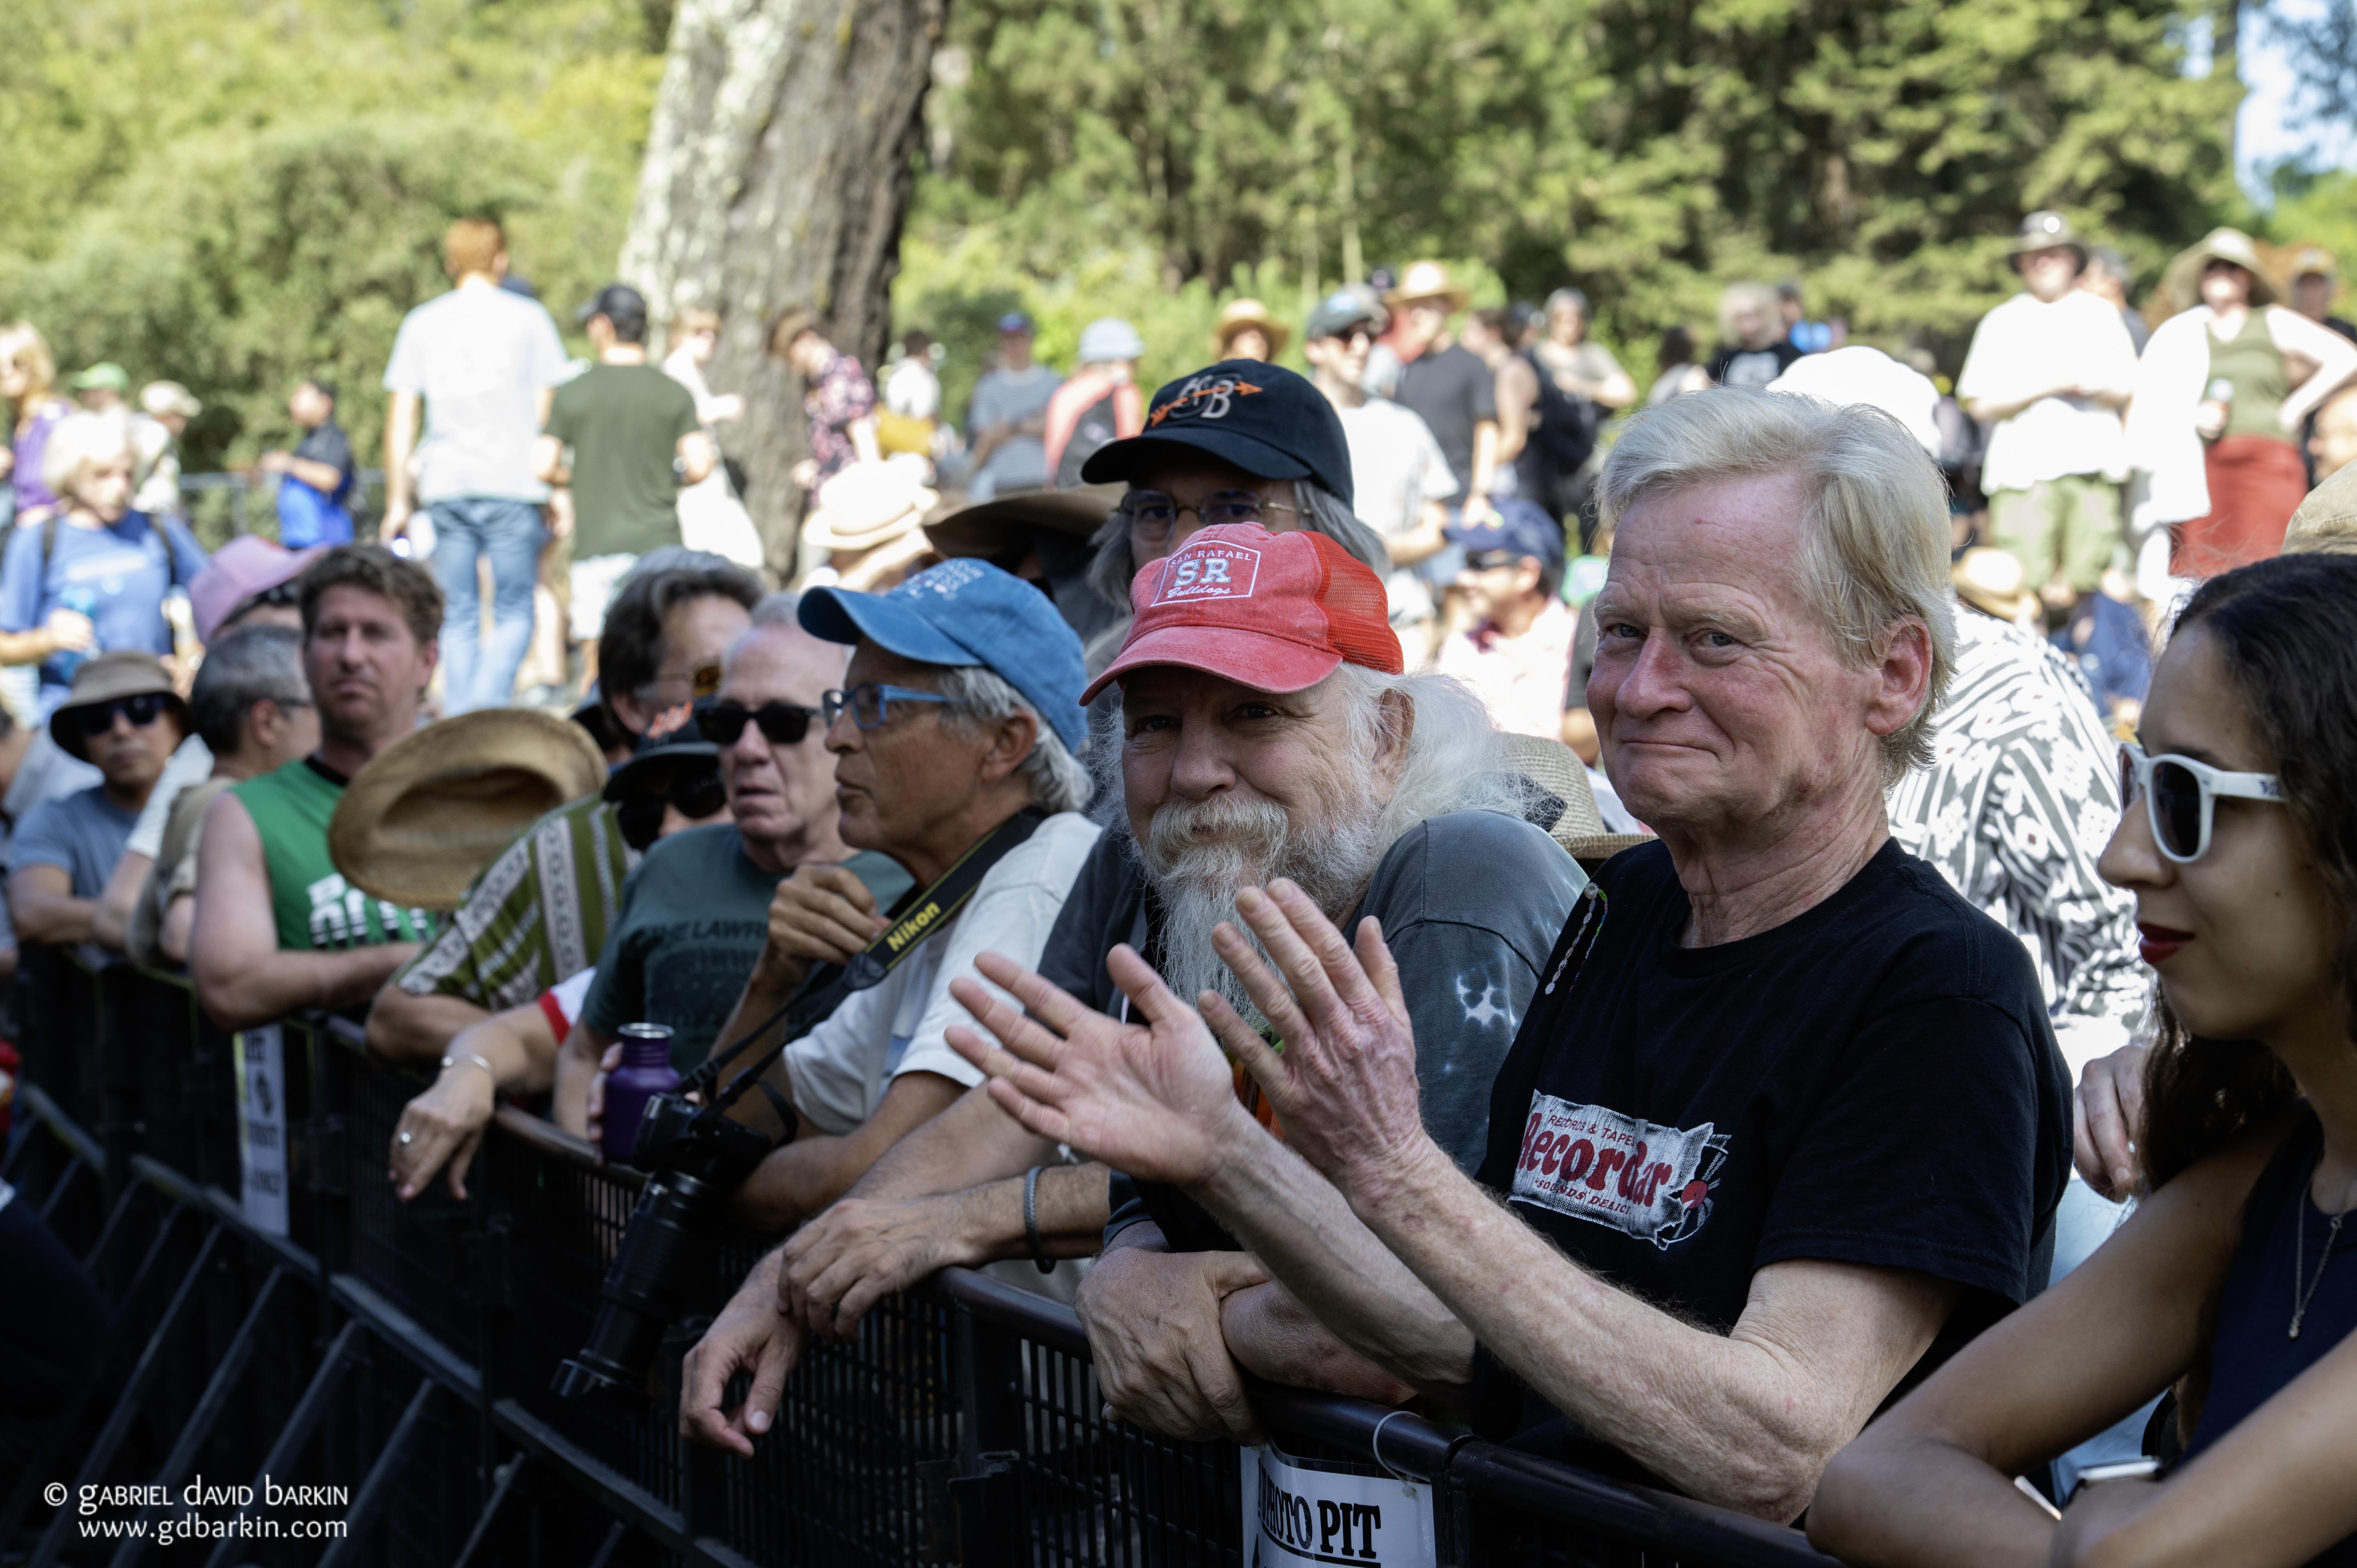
x: 1994, y: 581
x: 866, y: 505
x: 2183, y: 278
x: 2326, y: 522
x: 1003, y: 526
x: 1557, y: 769
x: 110, y: 678
x: 1428, y: 280
x: 423, y: 819
x: 1239, y: 314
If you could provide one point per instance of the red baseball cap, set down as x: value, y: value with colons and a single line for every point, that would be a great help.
x: 1278, y: 612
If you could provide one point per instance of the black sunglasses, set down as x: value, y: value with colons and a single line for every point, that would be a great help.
x: 783, y: 723
x: 697, y: 795
x: 142, y: 711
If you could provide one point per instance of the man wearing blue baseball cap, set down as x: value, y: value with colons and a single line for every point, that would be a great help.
x: 1007, y: 419
x: 954, y: 735
x: 1517, y: 653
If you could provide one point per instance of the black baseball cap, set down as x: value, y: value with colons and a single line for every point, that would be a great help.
x: 618, y: 302
x: 1262, y: 418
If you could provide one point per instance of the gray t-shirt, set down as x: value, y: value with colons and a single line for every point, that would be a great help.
x: 481, y: 358
x: 1002, y: 397
x: 1470, y: 904
x: 83, y: 835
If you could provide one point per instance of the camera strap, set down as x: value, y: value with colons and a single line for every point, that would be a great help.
x: 914, y: 918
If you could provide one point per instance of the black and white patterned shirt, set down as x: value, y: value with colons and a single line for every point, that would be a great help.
x: 2021, y: 796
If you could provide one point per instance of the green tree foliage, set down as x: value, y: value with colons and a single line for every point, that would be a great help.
x: 236, y: 197
x: 1649, y: 151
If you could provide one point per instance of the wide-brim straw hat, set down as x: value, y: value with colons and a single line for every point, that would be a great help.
x: 1428, y: 280
x: 2326, y: 521
x: 109, y: 676
x: 423, y: 819
x: 1555, y: 770
x: 1994, y: 580
x: 866, y: 505
x: 1239, y: 314
x: 992, y: 529
x: 2183, y: 278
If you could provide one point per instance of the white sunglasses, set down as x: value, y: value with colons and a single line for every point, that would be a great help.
x: 2180, y: 796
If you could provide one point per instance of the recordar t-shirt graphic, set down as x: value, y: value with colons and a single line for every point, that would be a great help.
x: 1211, y: 571
x: 1593, y: 1162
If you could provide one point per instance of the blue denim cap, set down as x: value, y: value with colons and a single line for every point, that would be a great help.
x: 967, y: 612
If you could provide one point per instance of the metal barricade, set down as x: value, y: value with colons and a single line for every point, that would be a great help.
x: 405, y: 1352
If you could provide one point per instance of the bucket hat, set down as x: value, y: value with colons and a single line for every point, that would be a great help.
x: 2183, y: 278
x: 1239, y: 314
x: 2044, y: 232
x: 421, y: 820
x: 110, y: 678
x: 1572, y: 820
x: 866, y: 505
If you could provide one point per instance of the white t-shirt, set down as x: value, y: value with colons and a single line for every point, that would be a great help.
x: 2026, y: 346
x: 480, y: 357
x: 1395, y: 468
x: 191, y: 762
x: 840, y: 1069
x: 1010, y: 397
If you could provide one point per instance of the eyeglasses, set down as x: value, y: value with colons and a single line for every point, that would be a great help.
x: 697, y: 795
x: 142, y: 711
x: 783, y: 723
x: 1489, y: 560
x: 2182, y: 795
x: 1153, y: 515
x: 871, y: 702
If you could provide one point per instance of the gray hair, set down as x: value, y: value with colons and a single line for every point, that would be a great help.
x: 1110, y: 565
x: 1456, y: 761
x: 1058, y: 781
x: 1875, y: 539
x: 252, y: 664
x: 80, y: 442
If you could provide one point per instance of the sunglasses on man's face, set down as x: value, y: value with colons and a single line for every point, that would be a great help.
x: 142, y: 711
x: 697, y: 795
x: 783, y: 723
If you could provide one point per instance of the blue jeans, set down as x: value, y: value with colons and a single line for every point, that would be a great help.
x: 476, y: 674
x: 2085, y: 1222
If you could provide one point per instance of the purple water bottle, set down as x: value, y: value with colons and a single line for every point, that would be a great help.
x: 645, y: 1072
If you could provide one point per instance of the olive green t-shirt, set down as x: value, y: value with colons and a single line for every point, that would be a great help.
x: 623, y: 424
x: 316, y: 911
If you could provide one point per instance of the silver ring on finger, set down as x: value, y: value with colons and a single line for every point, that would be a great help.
x: 404, y: 1137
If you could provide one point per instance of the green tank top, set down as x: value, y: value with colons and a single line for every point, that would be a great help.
x: 316, y: 911
x: 2255, y: 367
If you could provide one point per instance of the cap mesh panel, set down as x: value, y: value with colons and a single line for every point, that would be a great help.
x: 1358, y: 611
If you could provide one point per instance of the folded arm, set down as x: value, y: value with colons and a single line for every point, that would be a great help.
x: 111, y: 922
x: 41, y: 903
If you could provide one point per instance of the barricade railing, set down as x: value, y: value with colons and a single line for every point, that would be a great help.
x: 325, y: 1332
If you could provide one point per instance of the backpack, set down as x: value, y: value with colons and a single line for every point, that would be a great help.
x: 1564, y: 435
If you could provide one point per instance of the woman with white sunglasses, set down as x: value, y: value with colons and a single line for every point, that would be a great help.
x: 2235, y: 1283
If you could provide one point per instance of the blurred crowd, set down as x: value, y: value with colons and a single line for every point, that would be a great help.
x: 1456, y: 877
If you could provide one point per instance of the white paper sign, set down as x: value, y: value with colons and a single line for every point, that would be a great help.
x: 262, y: 1125
x: 1293, y: 1515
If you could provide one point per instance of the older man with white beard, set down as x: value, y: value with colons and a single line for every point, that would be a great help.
x: 1268, y: 730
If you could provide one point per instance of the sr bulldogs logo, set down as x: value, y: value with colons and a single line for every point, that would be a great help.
x: 1210, y: 571
x: 1650, y: 1181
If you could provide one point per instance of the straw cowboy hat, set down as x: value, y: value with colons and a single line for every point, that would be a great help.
x: 110, y: 678
x: 992, y: 529
x: 1239, y: 314
x: 1577, y: 825
x: 2326, y: 521
x: 2183, y: 278
x: 866, y: 505
x: 1994, y: 580
x: 1428, y: 280
x: 437, y: 806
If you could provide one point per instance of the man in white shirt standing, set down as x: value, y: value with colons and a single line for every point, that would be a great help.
x: 486, y: 362
x: 2050, y: 370
x: 1400, y: 478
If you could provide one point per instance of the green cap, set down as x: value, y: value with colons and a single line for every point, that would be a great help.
x: 107, y: 374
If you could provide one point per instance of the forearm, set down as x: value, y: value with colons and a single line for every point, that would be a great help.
x: 972, y: 1143
x: 321, y: 476
x: 271, y: 984
x: 797, y: 1181
x: 577, y: 1068
x: 400, y: 446
x: 1925, y: 1503
x: 111, y: 926
x: 406, y: 1028
x: 863, y: 440
x: 26, y: 647
x: 1485, y: 458
x: 55, y: 917
x: 1303, y: 1230
x: 2310, y: 394
x: 1071, y: 1204
x: 1273, y: 1336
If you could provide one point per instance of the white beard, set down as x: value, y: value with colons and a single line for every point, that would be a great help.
x: 1199, y: 854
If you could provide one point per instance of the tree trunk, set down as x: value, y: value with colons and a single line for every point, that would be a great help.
x: 779, y: 169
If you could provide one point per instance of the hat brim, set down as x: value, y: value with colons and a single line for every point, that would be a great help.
x: 1455, y: 298
x: 639, y: 773
x: 1595, y: 849
x: 2004, y: 606
x: 1119, y: 461
x: 991, y: 528
x: 2183, y: 278
x: 70, y: 738
x: 1278, y: 333
x: 840, y: 615
x: 1259, y: 659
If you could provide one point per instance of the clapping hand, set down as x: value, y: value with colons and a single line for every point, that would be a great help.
x: 1155, y: 1100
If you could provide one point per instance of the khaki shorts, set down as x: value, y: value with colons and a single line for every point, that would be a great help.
x: 2063, y: 528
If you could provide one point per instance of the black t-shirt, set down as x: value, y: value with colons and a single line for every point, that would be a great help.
x: 1873, y: 1081
x: 1734, y: 366
x: 1453, y: 391
x: 326, y: 443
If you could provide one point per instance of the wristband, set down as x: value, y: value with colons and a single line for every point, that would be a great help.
x: 462, y: 1058
x: 1031, y: 1221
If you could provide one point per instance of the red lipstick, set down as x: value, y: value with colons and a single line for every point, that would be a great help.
x: 2161, y: 943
